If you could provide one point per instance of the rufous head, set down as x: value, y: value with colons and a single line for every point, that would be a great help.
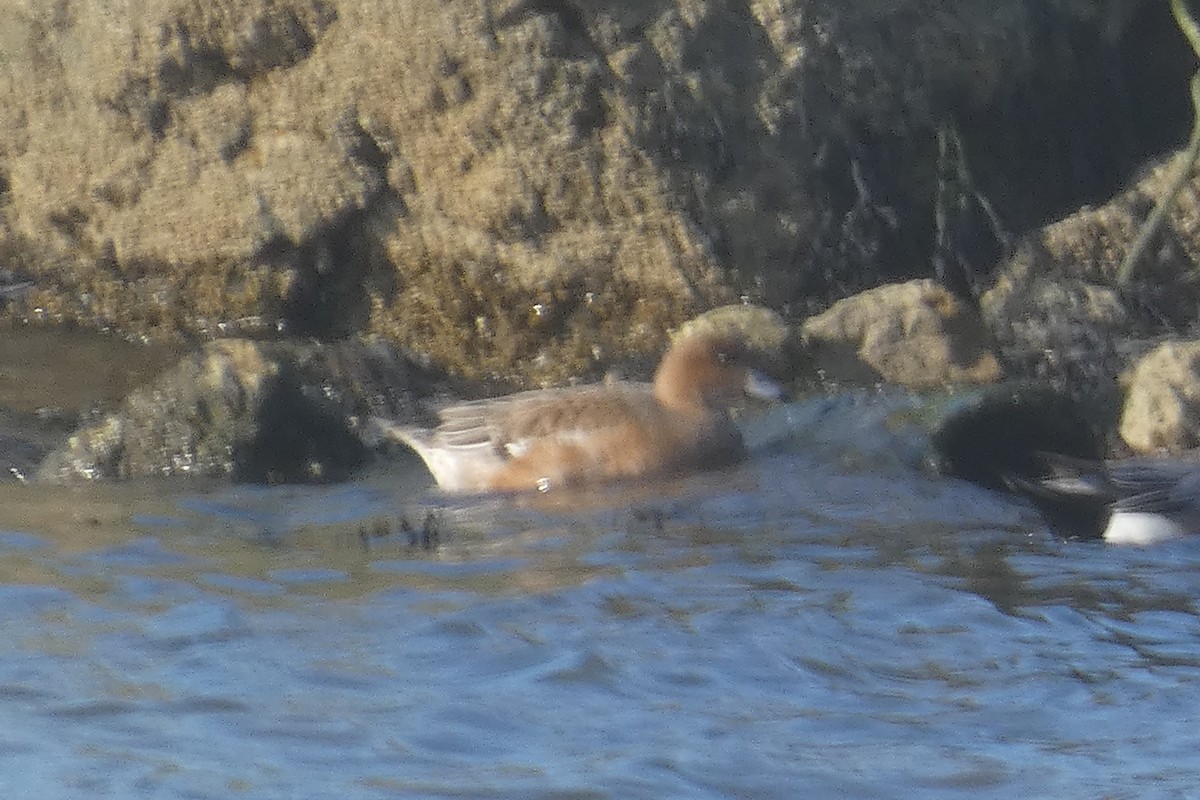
x: 709, y: 371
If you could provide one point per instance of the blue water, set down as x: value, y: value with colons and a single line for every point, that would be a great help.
x: 825, y: 621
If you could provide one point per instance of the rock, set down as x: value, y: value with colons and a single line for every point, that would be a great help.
x: 915, y: 334
x: 1062, y: 329
x: 517, y: 189
x: 1056, y: 310
x: 1162, y: 405
x: 253, y: 411
x: 761, y: 328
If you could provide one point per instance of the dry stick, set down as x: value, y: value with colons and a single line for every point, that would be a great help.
x: 1187, y: 164
x: 968, y: 179
x: 1183, y: 173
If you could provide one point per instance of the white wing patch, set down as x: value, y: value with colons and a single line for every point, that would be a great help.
x: 576, y: 436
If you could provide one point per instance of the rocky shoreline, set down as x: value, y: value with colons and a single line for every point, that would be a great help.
x: 345, y: 208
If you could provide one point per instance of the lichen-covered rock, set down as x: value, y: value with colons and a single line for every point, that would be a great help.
x: 252, y: 411
x: 1162, y: 403
x: 518, y: 189
x: 915, y: 334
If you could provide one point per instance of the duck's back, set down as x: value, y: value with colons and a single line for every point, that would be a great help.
x: 587, y: 434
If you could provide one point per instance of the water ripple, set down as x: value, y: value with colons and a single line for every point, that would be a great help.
x: 801, y: 627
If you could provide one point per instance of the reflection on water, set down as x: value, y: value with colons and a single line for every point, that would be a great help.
x: 804, y: 626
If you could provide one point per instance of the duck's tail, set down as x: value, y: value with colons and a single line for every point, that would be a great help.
x: 379, y: 431
x: 455, y: 468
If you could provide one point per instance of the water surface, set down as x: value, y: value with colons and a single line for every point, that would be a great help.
x: 825, y: 621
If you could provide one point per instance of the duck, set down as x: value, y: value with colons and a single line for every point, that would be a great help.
x: 536, y: 440
x: 1127, y: 501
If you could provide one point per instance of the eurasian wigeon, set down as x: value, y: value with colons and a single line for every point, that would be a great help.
x: 1136, y: 501
x: 540, y: 439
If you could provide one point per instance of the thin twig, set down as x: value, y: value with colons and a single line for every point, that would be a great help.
x: 1183, y: 18
x: 1186, y: 167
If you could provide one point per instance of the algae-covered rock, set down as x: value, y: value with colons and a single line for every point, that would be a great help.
x: 1162, y: 400
x: 761, y: 328
x: 252, y: 411
x: 1057, y: 309
x: 915, y: 334
x: 517, y: 189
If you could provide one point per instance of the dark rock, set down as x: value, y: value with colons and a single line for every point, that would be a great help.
x: 253, y: 411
